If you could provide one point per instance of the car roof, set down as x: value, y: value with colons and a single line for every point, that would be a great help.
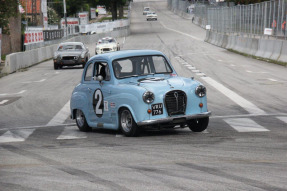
x: 106, y: 38
x: 71, y: 43
x: 126, y: 53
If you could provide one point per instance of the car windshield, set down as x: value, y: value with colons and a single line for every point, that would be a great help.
x: 150, y: 13
x: 70, y: 47
x: 105, y: 41
x: 141, y: 66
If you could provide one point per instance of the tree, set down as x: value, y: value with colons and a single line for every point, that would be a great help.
x: 8, y: 9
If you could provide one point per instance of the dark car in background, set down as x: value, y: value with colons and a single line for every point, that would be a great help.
x: 71, y: 54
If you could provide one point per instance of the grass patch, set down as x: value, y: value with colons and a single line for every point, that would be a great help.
x: 3, y: 74
x: 259, y: 58
x: 3, y: 57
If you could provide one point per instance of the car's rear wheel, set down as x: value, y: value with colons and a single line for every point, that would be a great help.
x: 198, y: 125
x: 127, y: 124
x: 81, y: 121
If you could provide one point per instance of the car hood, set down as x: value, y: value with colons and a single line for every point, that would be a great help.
x: 107, y: 45
x: 162, y: 85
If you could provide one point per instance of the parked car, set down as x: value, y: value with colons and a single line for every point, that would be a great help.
x: 71, y: 54
x: 107, y: 44
x: 151, y: 16
x: 134, y: 89
x: 146, y: 10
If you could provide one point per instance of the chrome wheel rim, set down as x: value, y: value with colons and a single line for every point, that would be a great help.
x: 126, y: 121
x: 80, y: 118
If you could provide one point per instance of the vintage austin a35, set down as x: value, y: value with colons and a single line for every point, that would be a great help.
x: 134, y: 89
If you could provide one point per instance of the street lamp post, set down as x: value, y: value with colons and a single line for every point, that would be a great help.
x: 65, y: 16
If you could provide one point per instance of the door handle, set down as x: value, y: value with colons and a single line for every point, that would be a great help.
x: 90, y: 90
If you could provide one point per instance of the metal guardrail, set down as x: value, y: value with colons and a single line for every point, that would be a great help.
x: 247, y: 20
x: 250, y: 19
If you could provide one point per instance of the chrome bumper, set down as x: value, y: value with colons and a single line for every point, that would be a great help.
x: 174, y: 120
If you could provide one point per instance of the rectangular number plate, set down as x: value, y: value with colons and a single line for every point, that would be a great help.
x: 157, y: 109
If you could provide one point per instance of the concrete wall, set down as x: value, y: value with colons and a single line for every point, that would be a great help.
x: 265, y: 48
x: 25, y: 59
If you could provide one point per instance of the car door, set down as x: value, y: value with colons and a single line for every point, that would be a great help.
x: 99, y: 95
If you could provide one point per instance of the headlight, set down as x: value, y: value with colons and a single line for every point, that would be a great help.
x: 148, y: 97
x: 114, y: 47
x: 97, y: 48
x: 83, y: 55
x: 200, y: 91
x: 55, y: 55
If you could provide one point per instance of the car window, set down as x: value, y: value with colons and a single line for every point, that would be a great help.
x: 102, y: 68
x: 70, y: 47
x: 161, y: 65
x: 89, y: 73
x: 140, y: 66
x: 78, y: 47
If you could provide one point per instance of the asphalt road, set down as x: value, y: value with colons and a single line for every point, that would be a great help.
x: 244, y: 147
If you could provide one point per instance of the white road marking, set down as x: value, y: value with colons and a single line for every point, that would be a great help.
x: 188, y: 65
x: 245, y: 104
x: 219, y: 60
x: 273, y: 80
x: 39, y: 81
x: 8, y: 94
x: 256, y: 72
x: 61, y: 116
x: 3, y: 101
x: 51, y: 73
x: 124, y: 41
x: 195, y: 71
x: 284, y: 119
x: 200, y: 74
x: 181, y: 32
x: 16, y: 136
x: 245, y: 125
x: 72, y: 132
x: 191, y: 68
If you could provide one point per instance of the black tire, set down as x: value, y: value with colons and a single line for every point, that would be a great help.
x: 198, y: 125
x: 81, y: 121
x: 127, y: 124
x: 56, y: 66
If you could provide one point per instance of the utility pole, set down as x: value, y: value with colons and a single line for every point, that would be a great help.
x: 65, y: 16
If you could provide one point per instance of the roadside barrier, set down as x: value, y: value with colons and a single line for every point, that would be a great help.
x: 265, y: 48
x: 16, y: 61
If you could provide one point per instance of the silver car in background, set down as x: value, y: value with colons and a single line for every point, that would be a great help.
x: 146, y: 10
x: 151, y: 16
x: 71, y: 54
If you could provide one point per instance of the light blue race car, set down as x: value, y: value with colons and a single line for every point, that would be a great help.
x: 134, y: 89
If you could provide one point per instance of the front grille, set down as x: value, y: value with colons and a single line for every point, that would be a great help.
x: 69, y: 58
x: 106, y: 49
x: 175, y: 102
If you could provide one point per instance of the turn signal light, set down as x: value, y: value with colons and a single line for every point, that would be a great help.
x: 201, y: 105
x: 149, y: 111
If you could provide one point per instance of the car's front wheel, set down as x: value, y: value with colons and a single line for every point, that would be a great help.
x: 81, y: 121
x: 56, y: 66
x: 127, y: 124
x: 198, y: 125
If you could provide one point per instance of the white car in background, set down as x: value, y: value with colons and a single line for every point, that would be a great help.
x: 151, y: 16
x: 107, y: 44
x: 146, y: 10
